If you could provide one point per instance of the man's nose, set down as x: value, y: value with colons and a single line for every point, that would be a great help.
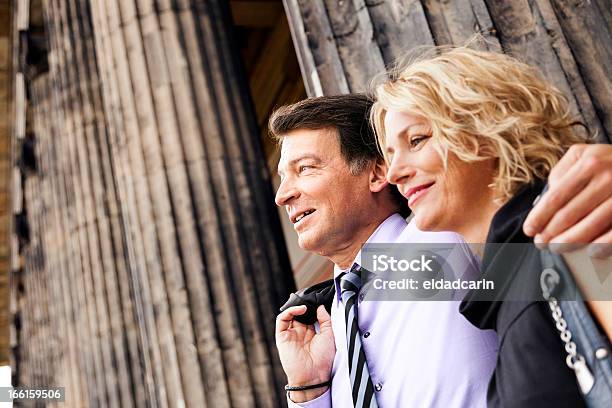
x: 285, y: 193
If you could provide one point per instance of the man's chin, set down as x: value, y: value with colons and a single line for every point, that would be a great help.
x: 308, y: 243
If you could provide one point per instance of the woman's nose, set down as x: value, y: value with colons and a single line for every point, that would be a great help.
x: 398, y: 171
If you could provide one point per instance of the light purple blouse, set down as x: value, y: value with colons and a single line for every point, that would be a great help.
x: 420, y: 354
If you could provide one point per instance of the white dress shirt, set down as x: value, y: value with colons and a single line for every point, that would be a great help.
x: 419, y: 353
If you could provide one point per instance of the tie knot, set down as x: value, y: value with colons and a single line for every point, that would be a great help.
x: 351, y: 281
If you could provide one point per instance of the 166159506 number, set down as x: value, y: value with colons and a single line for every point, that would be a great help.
x: 10, y: 394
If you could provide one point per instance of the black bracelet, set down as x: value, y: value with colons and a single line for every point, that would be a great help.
x: 307, y: 387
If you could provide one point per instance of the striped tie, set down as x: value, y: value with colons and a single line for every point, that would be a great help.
x: 361, y: 383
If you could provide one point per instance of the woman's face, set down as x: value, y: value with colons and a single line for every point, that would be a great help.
x: 442, y: 199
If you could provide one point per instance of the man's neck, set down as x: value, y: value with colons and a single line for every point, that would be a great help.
x: 344, y: 260
x: 344, y: 257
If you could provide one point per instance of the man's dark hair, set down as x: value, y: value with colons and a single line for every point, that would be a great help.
x: 349, y: 115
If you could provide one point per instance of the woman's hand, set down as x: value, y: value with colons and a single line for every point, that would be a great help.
x: 307, y: 356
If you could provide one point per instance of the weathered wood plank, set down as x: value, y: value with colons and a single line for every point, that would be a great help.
x: 316, y: 48
x: 454, y: 23
x: 588, y: 34
x: 523, y: 34
x: 361, y: 58
x: 399, y: 26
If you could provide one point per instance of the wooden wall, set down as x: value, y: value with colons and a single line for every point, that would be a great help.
x: 343, y: 44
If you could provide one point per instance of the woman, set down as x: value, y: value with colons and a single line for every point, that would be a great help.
x: 476, y: 133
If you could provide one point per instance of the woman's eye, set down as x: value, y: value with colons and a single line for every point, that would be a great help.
x: 417, y: 140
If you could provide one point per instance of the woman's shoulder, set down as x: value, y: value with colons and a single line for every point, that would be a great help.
x: 519, y: 320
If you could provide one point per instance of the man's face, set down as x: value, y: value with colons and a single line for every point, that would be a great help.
x: 324, y: 201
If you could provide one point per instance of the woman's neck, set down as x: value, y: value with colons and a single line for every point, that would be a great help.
x: 476, y: 228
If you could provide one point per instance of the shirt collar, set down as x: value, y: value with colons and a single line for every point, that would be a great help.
x: 387, y: 232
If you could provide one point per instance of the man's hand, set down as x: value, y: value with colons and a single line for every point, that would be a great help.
x: 307, y: 357
x: 577, y: 208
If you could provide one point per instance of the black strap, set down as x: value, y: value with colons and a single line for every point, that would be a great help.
x: 307, y: 387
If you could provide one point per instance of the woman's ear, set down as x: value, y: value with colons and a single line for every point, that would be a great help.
x: 378, y: 176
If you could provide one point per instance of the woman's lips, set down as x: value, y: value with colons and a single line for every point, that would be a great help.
x: 418, y: 192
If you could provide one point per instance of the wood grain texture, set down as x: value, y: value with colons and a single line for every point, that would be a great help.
x: 398, y: 27
x: 354, y: 34
x: 316, y: 47
x: 157, y: 210
x: 588, y: 35
x: 566, y: 40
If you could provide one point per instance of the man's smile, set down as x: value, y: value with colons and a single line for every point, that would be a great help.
x: 297, y: 217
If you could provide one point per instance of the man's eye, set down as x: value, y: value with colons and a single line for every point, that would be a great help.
x: 302, y: 168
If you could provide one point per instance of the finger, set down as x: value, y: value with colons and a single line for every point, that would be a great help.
x: 602, y: 247
x: 577, y: 208
x: 558, y: 195
x: 284, y: 319
x: 573, y: 155
x: 309, y: 332
x: 323, y: 317
x: 590, y: 228
x: 540, y: 243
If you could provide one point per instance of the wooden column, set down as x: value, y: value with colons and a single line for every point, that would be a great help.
x: 192, y: 141
x: 7, y: 121
x: 158, y: 264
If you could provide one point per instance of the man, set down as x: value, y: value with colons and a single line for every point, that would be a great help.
x: 577, y: 208
x: 404, y: 353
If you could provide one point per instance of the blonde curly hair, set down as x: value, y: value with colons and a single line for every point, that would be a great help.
x: 482, y: 105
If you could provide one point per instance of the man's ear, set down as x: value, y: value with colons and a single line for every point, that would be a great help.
x: 378, y: 176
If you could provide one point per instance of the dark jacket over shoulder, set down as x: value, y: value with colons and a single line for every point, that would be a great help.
x: 531, y: 369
